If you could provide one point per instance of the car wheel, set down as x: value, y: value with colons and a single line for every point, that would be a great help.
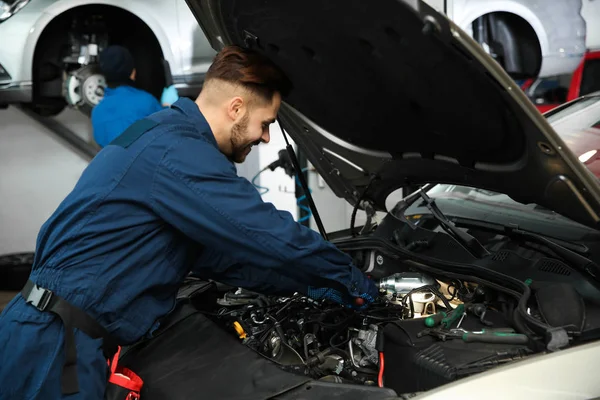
x: 45, y: 110
x: 14, y: 270
x: 511, y: 41
x: 65, y: 68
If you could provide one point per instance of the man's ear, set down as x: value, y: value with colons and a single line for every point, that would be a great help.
x: 236, y: 108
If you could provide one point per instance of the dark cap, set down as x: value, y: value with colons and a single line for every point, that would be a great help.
x: 116, y: 63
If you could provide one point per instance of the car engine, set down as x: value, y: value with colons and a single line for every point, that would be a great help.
x: 436, y: 320
x: 332, y: 343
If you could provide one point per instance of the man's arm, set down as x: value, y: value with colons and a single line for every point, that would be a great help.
x: 197, y: 190
x: 222, y: 268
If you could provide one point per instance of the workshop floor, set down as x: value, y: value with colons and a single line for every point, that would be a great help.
x: 37, y: 171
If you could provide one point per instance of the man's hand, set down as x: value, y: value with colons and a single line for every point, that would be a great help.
x: 366, y: 294
x: 169, y: 96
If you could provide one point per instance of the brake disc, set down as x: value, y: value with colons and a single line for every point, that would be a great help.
x: 84, y: 88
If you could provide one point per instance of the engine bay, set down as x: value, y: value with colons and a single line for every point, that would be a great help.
x: 433, y: 323
x: 383, y: 344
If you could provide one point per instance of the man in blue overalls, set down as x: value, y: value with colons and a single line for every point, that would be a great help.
x: 123, y: 103
x: 161, y: 200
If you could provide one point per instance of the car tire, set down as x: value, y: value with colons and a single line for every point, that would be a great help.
x: 45, y: 110
x: 15, y: 270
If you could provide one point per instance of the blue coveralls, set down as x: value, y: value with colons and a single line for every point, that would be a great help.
x: 120, y: 107
x: 149, y: 209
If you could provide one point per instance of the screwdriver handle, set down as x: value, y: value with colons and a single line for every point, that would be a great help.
x: 453, y: 315
x: 495, y: 337
x: 435, y: 319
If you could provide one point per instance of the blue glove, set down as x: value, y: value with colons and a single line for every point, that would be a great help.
x: 169, y: 96
x: 358, y: 297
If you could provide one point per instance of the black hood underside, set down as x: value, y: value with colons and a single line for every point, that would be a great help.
x: 389, y: 93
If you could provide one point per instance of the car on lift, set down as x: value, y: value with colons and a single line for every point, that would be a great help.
x: 49, y: 49
x: 499, y: 249
x: 527, y: 37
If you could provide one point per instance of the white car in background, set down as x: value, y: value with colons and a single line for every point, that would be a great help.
x: 591, y: 13
x: 529, y: 38
x: 49, y: 48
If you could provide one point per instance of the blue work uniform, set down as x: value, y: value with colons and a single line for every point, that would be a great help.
x: 158, y: 202
x: 120, y: 107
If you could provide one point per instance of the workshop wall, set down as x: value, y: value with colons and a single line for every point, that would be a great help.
x: 280, y: 186
x: 335, y: 212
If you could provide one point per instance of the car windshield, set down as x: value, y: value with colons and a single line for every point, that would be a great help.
x: 486, y: 206
x: 578, y: 124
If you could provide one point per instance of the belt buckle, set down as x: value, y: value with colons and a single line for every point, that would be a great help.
x: 39, y: 297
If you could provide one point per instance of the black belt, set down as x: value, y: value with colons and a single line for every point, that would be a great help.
x: 72, y: 317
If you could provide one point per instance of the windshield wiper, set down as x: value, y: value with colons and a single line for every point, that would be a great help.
x: 571, y: 257
x: 462, y: 237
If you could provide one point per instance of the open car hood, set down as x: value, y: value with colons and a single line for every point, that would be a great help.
x: 391, y: 93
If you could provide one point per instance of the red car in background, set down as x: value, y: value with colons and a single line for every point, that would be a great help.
x: 548, y: 93
x: 586, y: 78
x: 578, y: 124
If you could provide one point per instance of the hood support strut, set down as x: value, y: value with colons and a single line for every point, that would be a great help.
x: 303, y: 182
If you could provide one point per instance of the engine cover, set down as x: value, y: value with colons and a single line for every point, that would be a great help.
x: 414, y: 364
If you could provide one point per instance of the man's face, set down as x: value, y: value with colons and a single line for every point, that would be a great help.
x: 253, y: 128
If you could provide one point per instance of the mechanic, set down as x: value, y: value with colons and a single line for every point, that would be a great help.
x: 123, y: 103
x: 161, y: 201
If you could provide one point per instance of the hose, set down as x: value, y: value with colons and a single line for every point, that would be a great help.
x: 261, y: 189
x: 300, y: 199
x: 440, y: 268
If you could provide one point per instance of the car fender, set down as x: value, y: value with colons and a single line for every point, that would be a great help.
x: 465, y: 12
x: 137, y: 7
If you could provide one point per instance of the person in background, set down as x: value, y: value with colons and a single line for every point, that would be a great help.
x: 123, y: 103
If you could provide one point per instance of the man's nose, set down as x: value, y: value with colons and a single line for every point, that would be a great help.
x: 266, y: 137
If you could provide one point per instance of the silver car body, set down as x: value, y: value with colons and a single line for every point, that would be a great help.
x: 591, y: 13
x: 559, y: 26
x: 183, y: 44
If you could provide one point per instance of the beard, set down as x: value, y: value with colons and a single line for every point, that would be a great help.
x: 239, y: 147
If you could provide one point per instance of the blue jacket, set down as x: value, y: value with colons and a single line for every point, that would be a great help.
x: 150, y: 208
x: 120, y: 108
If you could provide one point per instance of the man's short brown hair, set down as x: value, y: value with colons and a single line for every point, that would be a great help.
x: 258, y: 74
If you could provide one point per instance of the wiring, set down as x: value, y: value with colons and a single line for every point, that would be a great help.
x: 357, y: 204
x: 302, y: 198
x: 261, y: 189
x: 299, y: 201
x: 436, y: 266
x: 381, y: 369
